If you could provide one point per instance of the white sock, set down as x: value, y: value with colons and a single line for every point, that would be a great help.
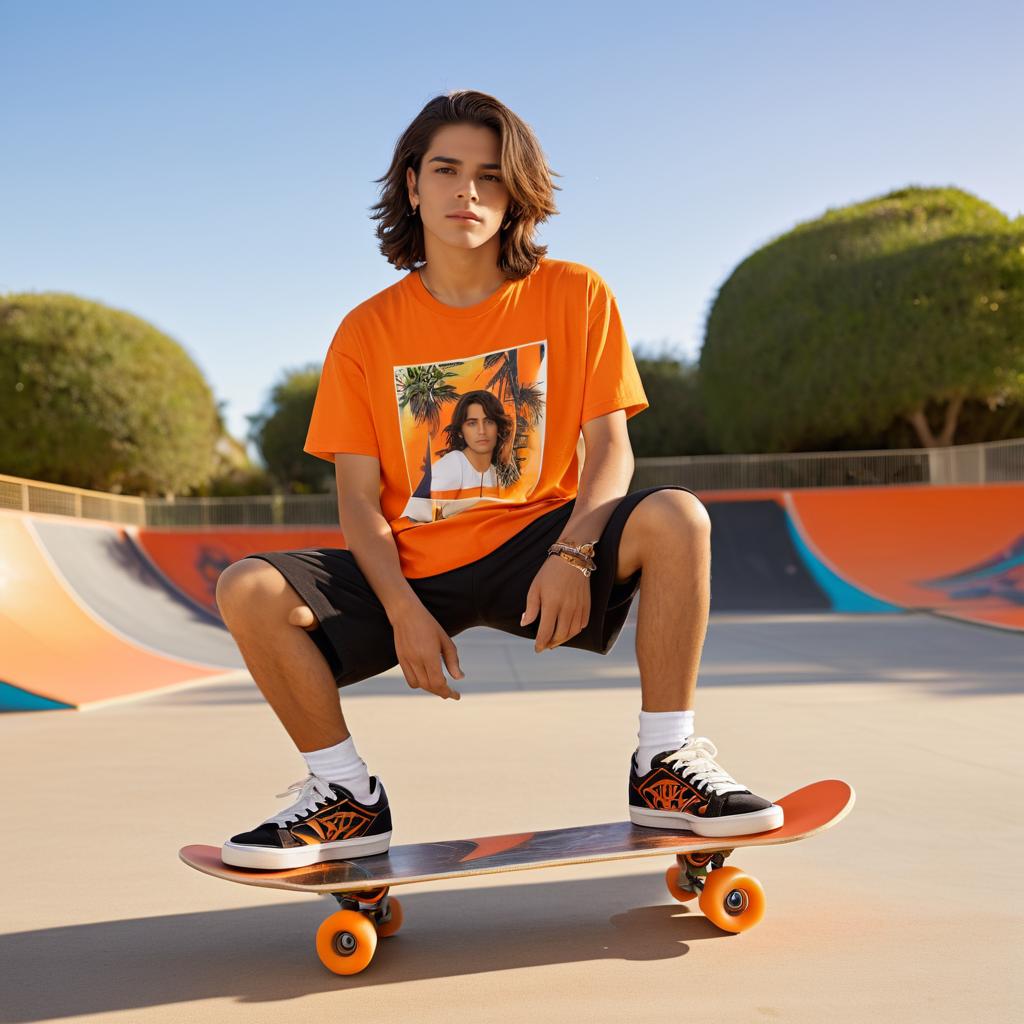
x: 661, y: 730
x: 343, y: 765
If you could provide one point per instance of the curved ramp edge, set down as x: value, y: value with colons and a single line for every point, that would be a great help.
x: 53, y: 649
x: 956, y: 551
x: 102, y: 568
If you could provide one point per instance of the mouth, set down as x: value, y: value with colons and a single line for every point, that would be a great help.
x: 464, y: 216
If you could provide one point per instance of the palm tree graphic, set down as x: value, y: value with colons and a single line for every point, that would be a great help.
x: 424, y: 391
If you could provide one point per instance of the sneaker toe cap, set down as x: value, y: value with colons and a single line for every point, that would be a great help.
x: 262, y: 835
x: 744, y: 803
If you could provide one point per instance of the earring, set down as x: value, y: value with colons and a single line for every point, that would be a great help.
x: 412, y: 212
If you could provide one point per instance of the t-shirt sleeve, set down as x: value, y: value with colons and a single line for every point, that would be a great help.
x: 612, y: 379
x: 342, y: 419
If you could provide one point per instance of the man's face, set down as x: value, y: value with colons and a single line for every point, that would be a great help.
x: 479, y: 431
x: 454, y: 178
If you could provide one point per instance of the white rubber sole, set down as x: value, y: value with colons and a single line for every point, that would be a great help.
x: 238, y: 856
x: 728, y: 825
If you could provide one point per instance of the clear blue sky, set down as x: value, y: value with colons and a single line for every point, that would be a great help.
x: 210, y: 166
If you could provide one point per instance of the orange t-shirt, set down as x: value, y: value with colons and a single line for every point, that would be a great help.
x: 474, y: 412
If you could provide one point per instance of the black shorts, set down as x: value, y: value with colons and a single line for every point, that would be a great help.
x: 355, y: 634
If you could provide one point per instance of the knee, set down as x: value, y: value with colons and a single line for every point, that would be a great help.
x: 237, y: 585
x: 675, y: 512
x: 253, y: 589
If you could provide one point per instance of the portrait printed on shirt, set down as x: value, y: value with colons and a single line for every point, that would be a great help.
x: 472, y: 429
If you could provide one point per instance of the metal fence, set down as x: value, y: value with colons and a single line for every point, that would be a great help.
x: 993, y: 462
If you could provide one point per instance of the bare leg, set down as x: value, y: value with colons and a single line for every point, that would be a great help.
x: 670, y: 539
x: 269, y: 622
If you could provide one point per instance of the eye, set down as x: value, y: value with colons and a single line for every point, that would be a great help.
x: 438, y: 170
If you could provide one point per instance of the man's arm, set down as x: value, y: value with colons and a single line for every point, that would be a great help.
x: 367, y: 533
x: 607, y: 471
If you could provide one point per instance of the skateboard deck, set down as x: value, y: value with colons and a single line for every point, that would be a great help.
x: 732, y: 899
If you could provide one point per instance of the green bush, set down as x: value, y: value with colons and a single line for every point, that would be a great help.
x: 899, y: 317
x: 96, y: 397
x: 674, y: 424
x: 279, y: 432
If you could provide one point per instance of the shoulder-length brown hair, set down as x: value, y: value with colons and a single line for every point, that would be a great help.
x: 523, y: 168
x: 492, y: 407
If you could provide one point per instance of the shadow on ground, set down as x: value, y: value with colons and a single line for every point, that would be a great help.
x: 266, y: 953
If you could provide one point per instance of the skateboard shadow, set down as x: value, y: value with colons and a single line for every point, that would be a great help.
x: 265, y: 954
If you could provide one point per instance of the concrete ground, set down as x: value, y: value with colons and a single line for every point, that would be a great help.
x: 908, y: 910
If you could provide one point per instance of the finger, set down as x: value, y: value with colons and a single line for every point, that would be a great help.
x: 532, y: 607
x: 562, y: 630
x: 572, y: 626
x: 410, y: 674
x: 548, y: 619
x: 439, y: 686
x: 421, y: 674
x: 451, y: 659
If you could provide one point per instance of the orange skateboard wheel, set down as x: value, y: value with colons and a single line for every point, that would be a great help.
x: 672, y: 881
x: 394, y: 922
x: 732, y: 899
x: 346, y: 942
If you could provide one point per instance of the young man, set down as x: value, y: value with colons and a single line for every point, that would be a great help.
x: 451, y: 404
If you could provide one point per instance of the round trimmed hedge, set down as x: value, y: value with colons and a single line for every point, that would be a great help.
x: 96, y: 397
x: 884, y: 311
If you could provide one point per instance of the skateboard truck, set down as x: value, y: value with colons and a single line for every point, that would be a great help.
x: 694, y: 868
x: 375, y: 903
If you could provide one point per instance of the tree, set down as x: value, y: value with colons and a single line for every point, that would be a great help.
x: 98, y: 398
x: 279, y: 432
x: 900, y: 308
x: 675, y: 422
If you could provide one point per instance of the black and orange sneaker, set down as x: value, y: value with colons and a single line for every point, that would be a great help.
x: 687, y: 789
x: 326, y: 822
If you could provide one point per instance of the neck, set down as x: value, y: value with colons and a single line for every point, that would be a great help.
x: 459, y: 277
x: 480, y: 462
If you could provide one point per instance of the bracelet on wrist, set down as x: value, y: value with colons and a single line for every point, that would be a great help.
x: 575, y: 562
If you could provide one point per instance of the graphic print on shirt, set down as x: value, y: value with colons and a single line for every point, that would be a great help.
x: 472, y: 429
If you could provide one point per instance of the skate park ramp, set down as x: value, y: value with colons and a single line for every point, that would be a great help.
x: 92, y: 612
x: 955, y: 551
x: 82, y: 623
x: 192, y: 560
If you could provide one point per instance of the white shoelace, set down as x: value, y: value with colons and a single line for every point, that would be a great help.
x: 312, y: 789
x: 698, y: 756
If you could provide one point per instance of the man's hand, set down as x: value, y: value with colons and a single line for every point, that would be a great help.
x: 561, y: 594
x: 422, y: 647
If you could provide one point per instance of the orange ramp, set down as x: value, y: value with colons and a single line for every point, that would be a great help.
x: 192, y: 560
x: 54, y: 653
x: 957, y: 551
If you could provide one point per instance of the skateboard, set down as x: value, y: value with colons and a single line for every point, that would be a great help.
x: 729, y: 897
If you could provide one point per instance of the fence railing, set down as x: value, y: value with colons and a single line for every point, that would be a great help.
x: 992, y: 462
